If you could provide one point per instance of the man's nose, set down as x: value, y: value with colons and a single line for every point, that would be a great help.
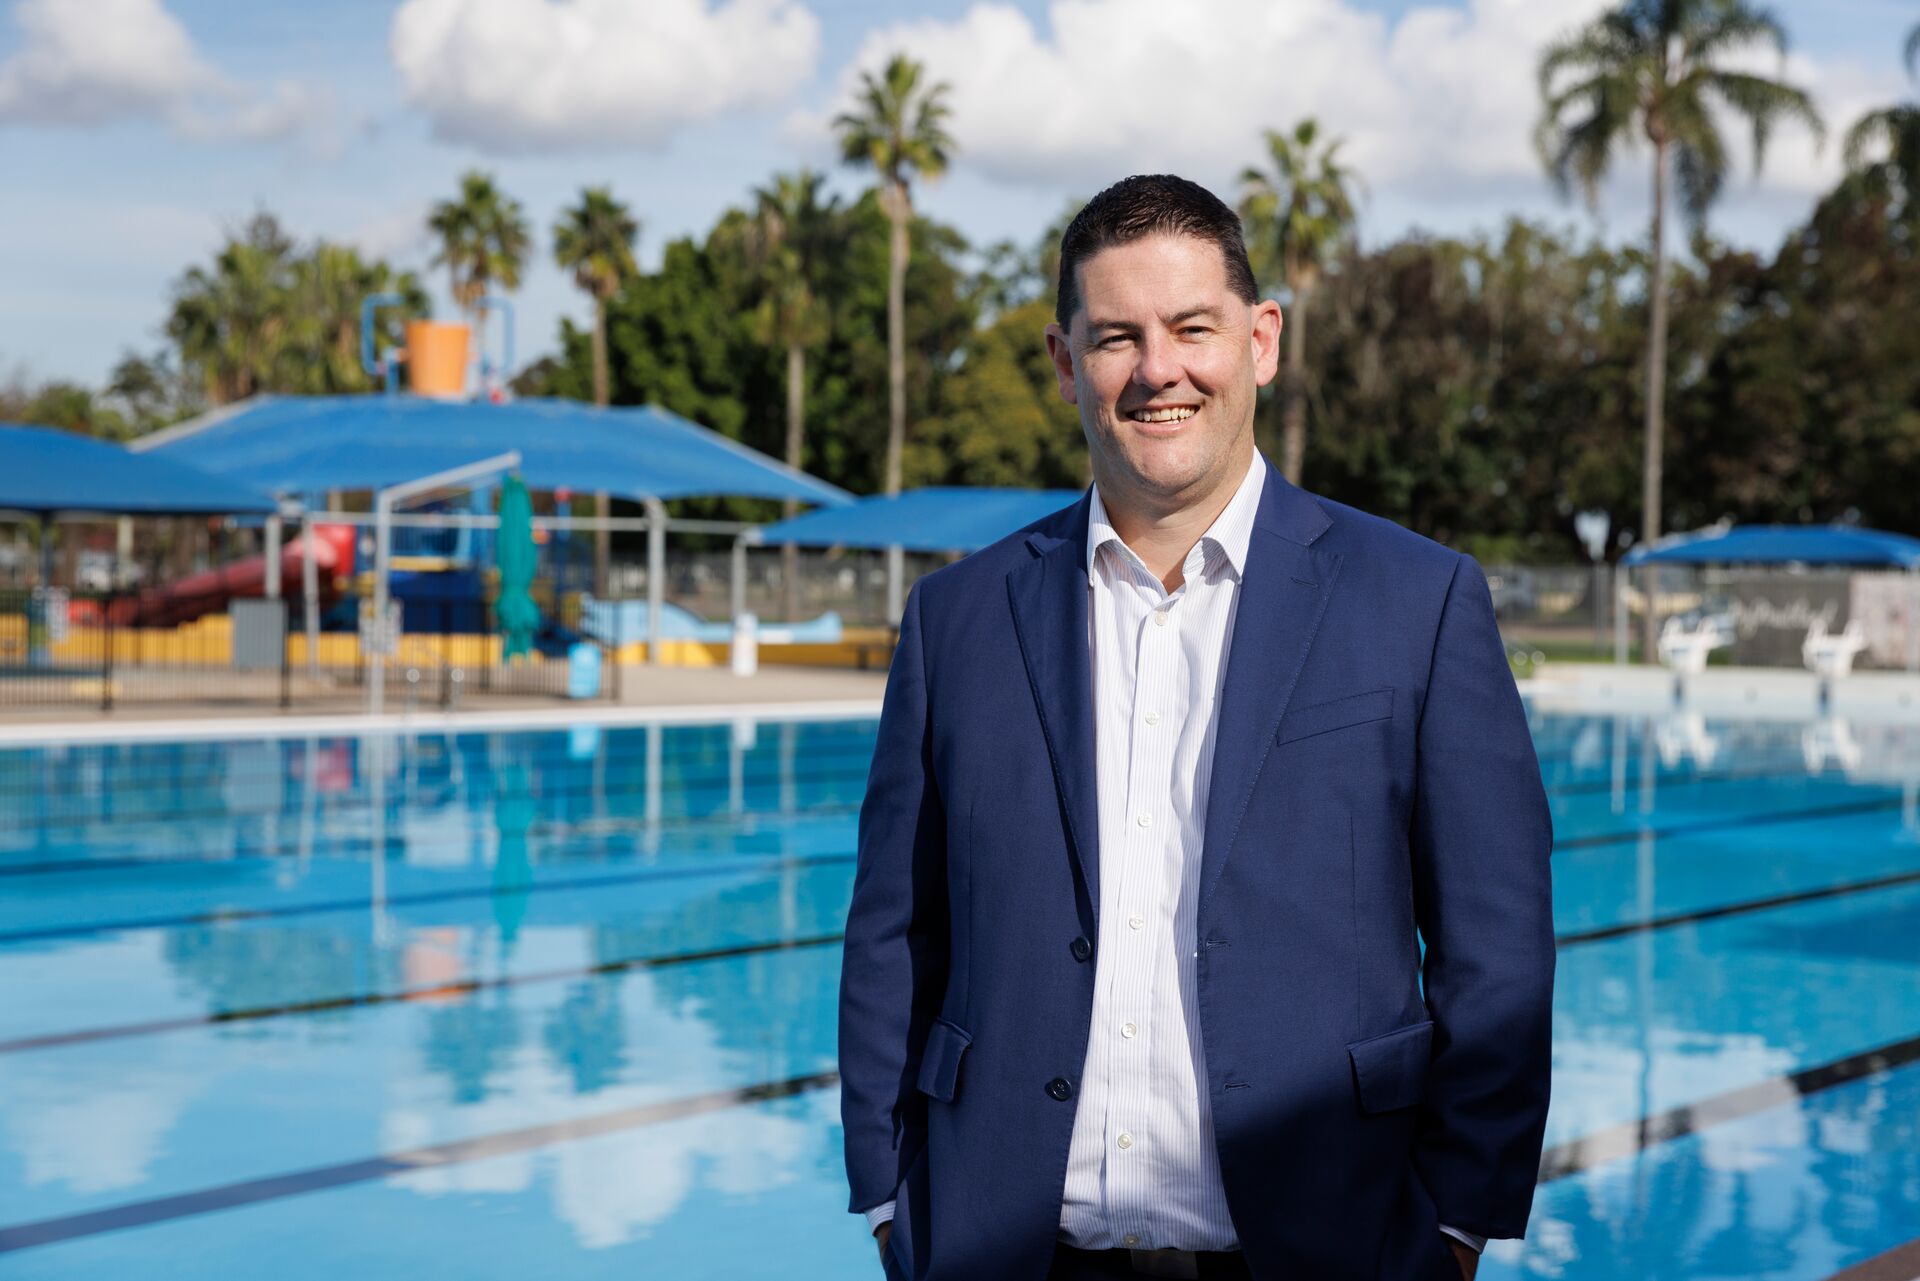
x: 1159, y: 365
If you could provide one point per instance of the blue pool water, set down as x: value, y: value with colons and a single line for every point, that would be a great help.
x: 562, y: 1004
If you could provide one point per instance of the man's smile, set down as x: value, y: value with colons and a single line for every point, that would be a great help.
x: 1162, y: 413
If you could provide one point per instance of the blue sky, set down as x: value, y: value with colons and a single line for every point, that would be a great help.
x: 133, y: 132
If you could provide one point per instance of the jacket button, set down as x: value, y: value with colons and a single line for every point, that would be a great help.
x: 1080, y: 948
x: 1060, y: 1088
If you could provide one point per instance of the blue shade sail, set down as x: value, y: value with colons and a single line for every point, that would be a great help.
x: 924, y: 520
x: 43, y: 470
x: 1783, y: 545
x: 305, y: 444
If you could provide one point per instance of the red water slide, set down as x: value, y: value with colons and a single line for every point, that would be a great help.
x: 209, y: 591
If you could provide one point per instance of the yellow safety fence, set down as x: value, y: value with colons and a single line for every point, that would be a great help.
x: 208, y: 642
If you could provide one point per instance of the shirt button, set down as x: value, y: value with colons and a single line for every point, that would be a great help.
x: 1159, y: 618
x: 1145, y: 820
x: 1125, y: 1140
x: 1132, y: 1238
x: 1153, y: 718
x: 1135, y: 922
x: 1128, y: 1030
x: 1060, y: 1089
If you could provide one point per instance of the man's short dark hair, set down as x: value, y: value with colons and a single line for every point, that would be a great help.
x: 1151, y: 205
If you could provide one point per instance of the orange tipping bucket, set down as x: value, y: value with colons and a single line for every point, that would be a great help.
x: 436, y: 358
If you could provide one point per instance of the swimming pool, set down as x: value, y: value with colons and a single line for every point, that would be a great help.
x: 562, y: 1004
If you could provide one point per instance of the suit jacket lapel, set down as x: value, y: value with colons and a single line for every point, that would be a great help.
x: 1048, y: 594
x: 1283, y: 594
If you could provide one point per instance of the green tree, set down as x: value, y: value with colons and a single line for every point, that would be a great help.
x: 228, y: 320
x: 898, y: 127
x: 1001, y: 420
x: 266, y: 317
x: 484, y: 237
x: 1658, y: 68
x: 324, y: 290
x: 74, y: 408
x: 1894, y: 132
x: 1297, y: 215
x: 794, y: 232
x: 594, y: 240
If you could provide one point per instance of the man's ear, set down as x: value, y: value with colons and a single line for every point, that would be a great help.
x: 1061, y: 353
x: 1267, y: 323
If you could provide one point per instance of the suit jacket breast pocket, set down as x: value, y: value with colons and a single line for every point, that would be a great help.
x: 1339, y: 713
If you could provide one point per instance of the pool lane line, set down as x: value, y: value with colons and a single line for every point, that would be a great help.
x: 463, y: 987
x: 1794, y: 898
x: 1632, y: 1137
x: 135, y: 1214
x: 417, y: 898
x: 589, y: 832
x: 1558, y: 1162
x: 1841, y: 809
x: 459, y: 987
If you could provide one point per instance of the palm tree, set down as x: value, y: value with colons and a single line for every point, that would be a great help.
x: 230, y: 322
x: 1657, y: 68
x: 1897, y: 130
x: 483, y: 242
x: 1297, y: 215
x: 324, y: 292
x: 594, y: 240
x: 897, y: 126
x: 793, y: 234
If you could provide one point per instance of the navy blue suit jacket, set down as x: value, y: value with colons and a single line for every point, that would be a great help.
x: 1373, y: 775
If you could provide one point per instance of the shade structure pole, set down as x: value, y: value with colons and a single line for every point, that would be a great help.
x: 896, y: 584
x: 737, y: 577
x: 273, y: 557
x: 1622, y: 577
x: 384, y: 501
x: 310, y: 593
x: 1913, y: 619
x: 656, y: 577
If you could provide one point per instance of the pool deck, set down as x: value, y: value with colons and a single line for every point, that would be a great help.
x: 1739, y: 693
x: 679, y: 695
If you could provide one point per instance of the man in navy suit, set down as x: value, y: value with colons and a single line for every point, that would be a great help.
x: 1170, y: 790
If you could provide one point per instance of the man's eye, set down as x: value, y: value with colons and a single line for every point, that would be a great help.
x: 1111, y: 339
x: 1196, y: 329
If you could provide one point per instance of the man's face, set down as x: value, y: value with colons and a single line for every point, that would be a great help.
x: 1163, y: 360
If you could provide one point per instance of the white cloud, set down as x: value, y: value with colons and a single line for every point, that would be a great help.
x: 91, y: 62
x: 521, y: 75
x: 1439, y: 106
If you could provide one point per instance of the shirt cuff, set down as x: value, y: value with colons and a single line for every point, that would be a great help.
x: 879, y: 1214
x: 1468, y: 1239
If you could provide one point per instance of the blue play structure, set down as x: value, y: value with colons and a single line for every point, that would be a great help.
x: 619, y: 622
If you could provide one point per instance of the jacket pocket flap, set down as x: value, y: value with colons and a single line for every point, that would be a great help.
x: 940, y: 1061
x: 1355, y: 709
x: 1390, y: 1071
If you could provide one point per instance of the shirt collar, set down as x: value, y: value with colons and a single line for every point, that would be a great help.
x: 1230, y: 533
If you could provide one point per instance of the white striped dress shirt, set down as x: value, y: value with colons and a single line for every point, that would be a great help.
x: 1142, y: 1171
